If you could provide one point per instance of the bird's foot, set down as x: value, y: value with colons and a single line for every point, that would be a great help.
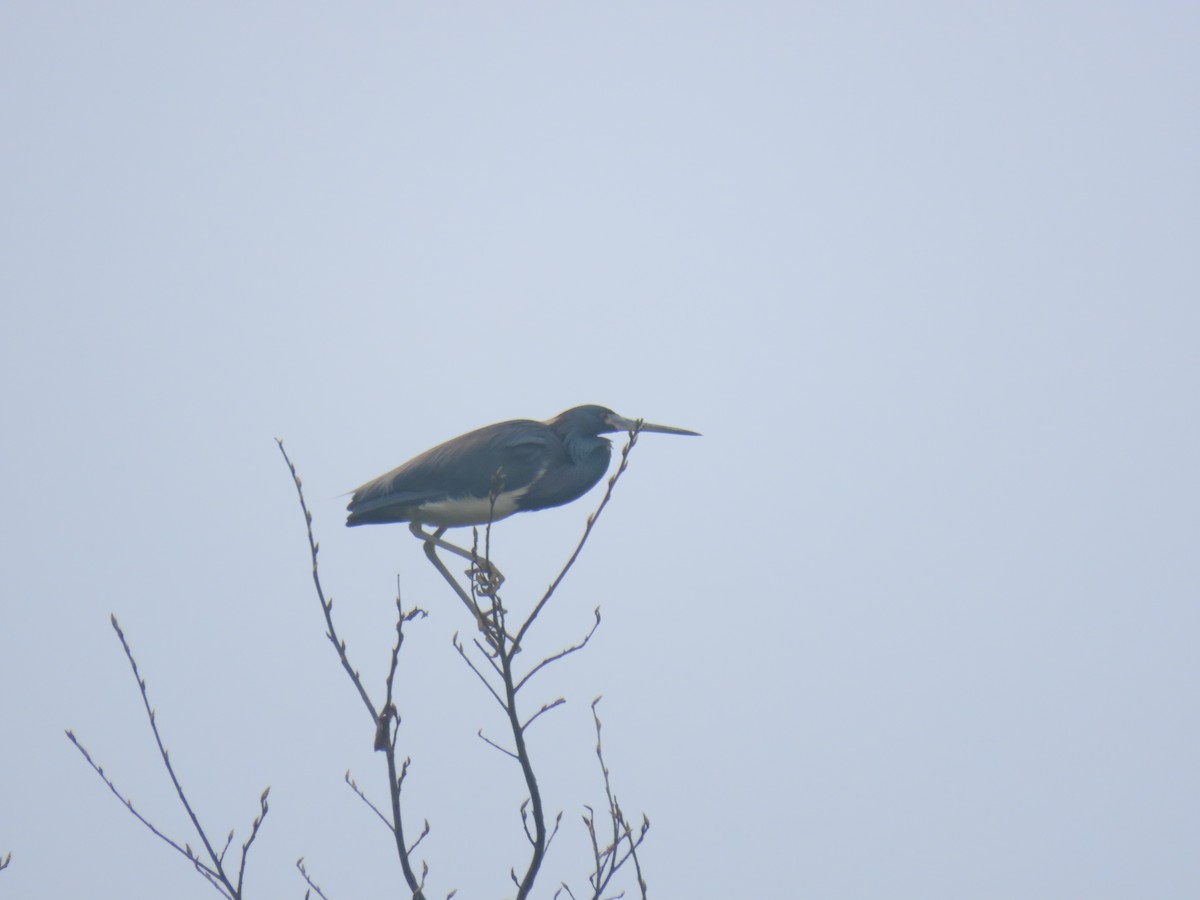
x: 486, y: 578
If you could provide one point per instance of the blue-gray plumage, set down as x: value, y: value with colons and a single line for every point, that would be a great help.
x: 540, y: 465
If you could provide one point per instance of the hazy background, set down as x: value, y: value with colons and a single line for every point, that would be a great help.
x: 916, y: 618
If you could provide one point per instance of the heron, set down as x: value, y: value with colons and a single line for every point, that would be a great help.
x: 495, y: 471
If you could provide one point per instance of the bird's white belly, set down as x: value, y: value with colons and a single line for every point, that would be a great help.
x: 469, y: 510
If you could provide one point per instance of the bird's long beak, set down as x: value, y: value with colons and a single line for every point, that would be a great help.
x: 620, y: 423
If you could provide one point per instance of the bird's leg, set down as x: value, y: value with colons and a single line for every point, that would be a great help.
x: 483, y: 618
x: 492, y: 575
x: 469, y: 601
x: 436, y: 538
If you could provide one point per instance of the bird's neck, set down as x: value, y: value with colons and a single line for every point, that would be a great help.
x: 581, y: 447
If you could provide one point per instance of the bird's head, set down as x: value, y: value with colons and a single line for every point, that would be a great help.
x: 595, y: 420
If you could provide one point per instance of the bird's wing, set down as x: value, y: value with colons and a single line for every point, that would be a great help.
x: 462, y: 467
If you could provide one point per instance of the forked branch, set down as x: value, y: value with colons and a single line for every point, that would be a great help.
x: 382, y: 718
x: 624, y: 842
x: 212, y: 865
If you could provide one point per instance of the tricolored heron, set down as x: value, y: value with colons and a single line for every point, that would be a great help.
x: 490, y: 473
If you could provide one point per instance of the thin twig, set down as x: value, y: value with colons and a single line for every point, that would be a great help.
x: 254, y: 826
x: 545, y: 708
x: 365, y: 799
x: 313, y: 886
x: 554, y: 830
x: 225, y: 849
x: 383, y: 726
x: 162, y: 750
x: 557, y: 656
x: 326, y: 606
x: 129, y: 805
x: 487, y: 740
x: 462, y: 651
x: 489, y: 654
x: 415, y: 844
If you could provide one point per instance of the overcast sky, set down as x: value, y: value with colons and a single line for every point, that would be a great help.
x: 917, y: 617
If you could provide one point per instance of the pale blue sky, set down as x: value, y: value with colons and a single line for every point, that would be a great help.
x: 916, y: 618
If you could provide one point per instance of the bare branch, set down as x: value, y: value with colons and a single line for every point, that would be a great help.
x: 525, y: 822
x: 489, y: 655
x: 162, y: 750
x: 487, y: 740
x: 610, y: 859
x: 313, y: 886
x: 553, y: 831
x: 363, y: 797
x: 254, y: 826
x: 228, y: 841
x: 417, y: 842
x: 383, y: 725
x: 589, y: 821
x: 463, y: 653
x: 545, y: 708
x: 182, y: 850
x: 380, y: 719
x: 211, y: 879
x: 326, y: 606
x: 213, y: 871
x: 396, y: 780
x: 557, y: 656
x: 525, y: 885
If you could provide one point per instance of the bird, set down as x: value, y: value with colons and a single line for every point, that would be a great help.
x: 493, y: 472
